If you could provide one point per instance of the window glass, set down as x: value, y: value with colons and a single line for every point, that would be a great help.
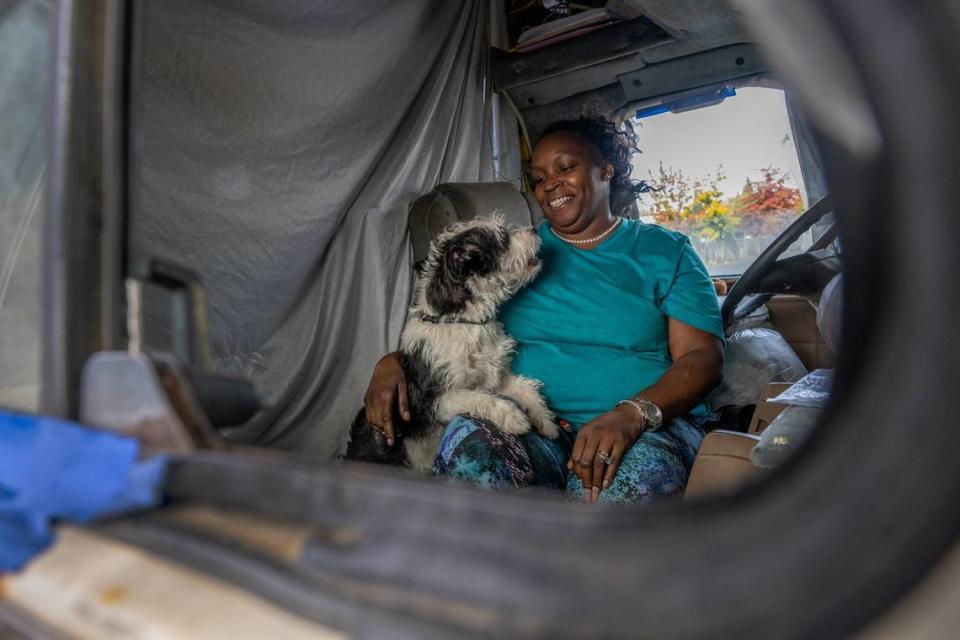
x: 727, y: 176
x: 24, y: 84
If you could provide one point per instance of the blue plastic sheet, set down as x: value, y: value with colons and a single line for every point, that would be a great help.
x: 52, y: 470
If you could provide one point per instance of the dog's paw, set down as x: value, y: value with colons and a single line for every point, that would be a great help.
x: 546, y: 428
x: 542, y: 420
x: 507, y: 416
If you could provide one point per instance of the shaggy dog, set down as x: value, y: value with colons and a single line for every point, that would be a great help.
x: 454, y: 353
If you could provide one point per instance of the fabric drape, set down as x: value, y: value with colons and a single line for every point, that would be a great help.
x: 279, y: 145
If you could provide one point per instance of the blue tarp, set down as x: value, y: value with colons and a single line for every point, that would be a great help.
x: 51, y: 470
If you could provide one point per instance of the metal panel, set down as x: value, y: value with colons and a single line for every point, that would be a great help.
x: 83, y: 248
x: 698, y: 70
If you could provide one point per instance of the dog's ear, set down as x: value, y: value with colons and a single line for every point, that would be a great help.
x: 470, y: 253
x: 446, y: 293
x: 464, y: 260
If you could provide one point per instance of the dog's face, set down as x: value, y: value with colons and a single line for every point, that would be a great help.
x: 477, y: 265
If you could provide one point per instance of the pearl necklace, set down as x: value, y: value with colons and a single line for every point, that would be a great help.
x: 589, y: 240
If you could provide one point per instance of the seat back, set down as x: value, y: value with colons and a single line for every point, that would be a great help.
x: 454, y: 202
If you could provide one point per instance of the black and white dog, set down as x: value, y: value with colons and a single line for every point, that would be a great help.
x: 455, y: 355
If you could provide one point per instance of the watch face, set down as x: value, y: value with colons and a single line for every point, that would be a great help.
x: 652, y: 413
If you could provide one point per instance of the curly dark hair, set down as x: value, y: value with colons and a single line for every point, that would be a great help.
x: 615, y: 146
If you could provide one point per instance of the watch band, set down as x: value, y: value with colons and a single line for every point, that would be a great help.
x: 638, y: 409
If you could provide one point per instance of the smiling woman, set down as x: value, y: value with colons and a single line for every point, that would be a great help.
x: 622, y: 327
x: 608, y: 148
x: 572, y: 184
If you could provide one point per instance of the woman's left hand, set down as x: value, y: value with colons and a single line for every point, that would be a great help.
x: 611, y: 433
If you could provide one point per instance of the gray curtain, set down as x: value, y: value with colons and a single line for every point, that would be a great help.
x: 279, y: 146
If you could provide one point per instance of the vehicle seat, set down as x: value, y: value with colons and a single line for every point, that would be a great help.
x: 455, y: 202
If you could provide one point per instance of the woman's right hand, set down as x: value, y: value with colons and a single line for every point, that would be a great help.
x: 387, y: 389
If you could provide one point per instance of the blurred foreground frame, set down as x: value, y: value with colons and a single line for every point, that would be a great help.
x: 848, y: 527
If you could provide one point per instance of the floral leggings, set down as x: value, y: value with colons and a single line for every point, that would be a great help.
x: 477, y: 452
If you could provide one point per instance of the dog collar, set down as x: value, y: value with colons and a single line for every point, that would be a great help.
x: 439, y: 320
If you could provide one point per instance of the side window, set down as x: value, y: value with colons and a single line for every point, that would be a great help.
x: 727, y: 175
x: 24, y: 84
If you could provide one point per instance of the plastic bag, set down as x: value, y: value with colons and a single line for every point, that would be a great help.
x: 830, y: 313
x: 813, y: 390
x: 784, y: 436
x: 754, y: 358
x: 759, y: 317
x: 51, y: 470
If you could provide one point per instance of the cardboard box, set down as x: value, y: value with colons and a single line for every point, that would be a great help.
x: 766, y: 411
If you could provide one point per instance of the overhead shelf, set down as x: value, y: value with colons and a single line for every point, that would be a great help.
x: 511, y: 70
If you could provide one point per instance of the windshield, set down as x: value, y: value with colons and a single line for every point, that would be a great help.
x: 24, y: 80
x: 728, y: 176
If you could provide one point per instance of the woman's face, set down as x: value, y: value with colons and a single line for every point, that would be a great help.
x: 571, y: 183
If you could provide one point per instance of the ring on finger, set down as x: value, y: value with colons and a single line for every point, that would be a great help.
x: 605, y: 457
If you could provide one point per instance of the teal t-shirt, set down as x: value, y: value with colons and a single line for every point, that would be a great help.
x: 593, y: 325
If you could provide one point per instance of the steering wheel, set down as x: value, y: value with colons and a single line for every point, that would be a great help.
x: 755, y: 281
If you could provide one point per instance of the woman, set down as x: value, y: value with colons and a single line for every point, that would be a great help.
x: 622, y: 326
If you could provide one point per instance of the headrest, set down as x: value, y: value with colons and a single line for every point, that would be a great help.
x: 451, y: 203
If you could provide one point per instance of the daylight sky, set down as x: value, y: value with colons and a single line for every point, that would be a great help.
x: 745, y: 133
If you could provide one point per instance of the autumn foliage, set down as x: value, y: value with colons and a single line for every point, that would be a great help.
x: 769, y: 205
x: 772, y: 194
x: 699, y: 209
